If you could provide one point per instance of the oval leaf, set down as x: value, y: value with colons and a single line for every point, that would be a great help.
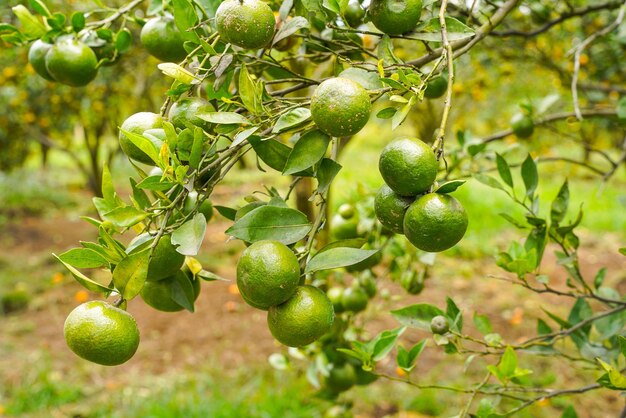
x: 309, y: 149
x: 417, y: 316
x: 189, y: 236
x: 337, y: 257
x: 277, y: 223
x: 130, y: 274
x: 85, y: 281
x: 83, y: 258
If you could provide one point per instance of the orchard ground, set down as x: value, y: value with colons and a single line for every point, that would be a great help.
x: 215, y: 362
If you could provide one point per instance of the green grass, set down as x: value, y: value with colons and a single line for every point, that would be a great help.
x: 208, y: 391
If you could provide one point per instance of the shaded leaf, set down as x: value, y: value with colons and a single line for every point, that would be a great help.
x: 309, y: 149
x: 417, y: 316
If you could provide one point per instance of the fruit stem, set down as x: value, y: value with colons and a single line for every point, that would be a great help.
x: 118, y: 302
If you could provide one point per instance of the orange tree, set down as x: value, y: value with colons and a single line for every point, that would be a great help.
x: 291, y: 82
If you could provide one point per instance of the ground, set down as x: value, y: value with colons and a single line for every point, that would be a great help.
x: 227, y: 333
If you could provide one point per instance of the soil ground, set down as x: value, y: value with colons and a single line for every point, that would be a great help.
x: 227, y: 331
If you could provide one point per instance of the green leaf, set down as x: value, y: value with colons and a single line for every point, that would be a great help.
x: 281, y: 224
x: 224, y: 118
x: 450, y: 186
x: 454, y: 314
x: 489, y: 181
x: 486, y: 409
x: 387, y: 113
x: 290, y: 27
x: 616, y: 379
x: 155, y: 183
x: 482, y: 324
x: 40, y: 8
x: 560, y: 203
x: 182, y: 292
x: 144, y: 144
x: 139, y: 197
x: 431, y: 30
x: 195, y: 156
x: 621, y: 108
x: 31, y: 26
x: 123, y: 40
x: 401, y: 115
x: 543, y: 328
x: 108, y: 191
x: 130, y: 274
x: 85, y: 281
x: 337, y: 257
x: 178, y: 73
x: 78, y: 21
x: 384, y: 342
x: 326, y: 173
x: 417, y: 316
x: 508, y: 362
x: 292, y: 119
x: 385, y: 52
x: 185, y: 17
x: 569, y: 412
x: 189, y: 236
x: 622, y: 344
x: 83, y: 258
x: 622, y: 251
x: 599, y: 278
x: 350, y: 243
x: 407, y: 360
x: 226, y: 212
x: 504, y: 170
x: 251, y: 96
x: 125, y: 217
x: 530, y: 176
x: 309, y: 149
x: 610, y: 325
x: 271, y: 152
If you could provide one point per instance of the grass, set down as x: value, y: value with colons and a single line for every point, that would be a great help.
x: 208, y: 391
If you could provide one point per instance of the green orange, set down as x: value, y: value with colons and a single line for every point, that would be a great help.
x: 340, y: 107
x: 395, y: 17
x: 408, y: 166
x: 303, y: 318
x: 439, y: 325
x: 334, y: 295
x: 191, y: 203
x: 343, y: 228
x: 158, y: 294
x: 268, y: 273
x: 101, y: 333
x: 390, y: 208
x: 354, y: 14
x: 436, y: 87
x: 138, y: 124
x: 435, y: 222
x: 341, y: 377
x: 354, y: 299
x: 183, y: 113
x: 72, y: 62
x: 162, y: 39
x: 248, y: 24
x: 522, y: 125
x: 37, y: 58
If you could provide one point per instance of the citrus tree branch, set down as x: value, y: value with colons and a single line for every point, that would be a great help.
x: 582, y: 11
x: 120, y: 12
x: 463, y: 46
x: 438, y: 146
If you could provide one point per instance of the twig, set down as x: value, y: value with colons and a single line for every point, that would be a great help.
x: 553, y: 395
x: 582, y: 46
x: 120, y: 12
x: 438, y: 146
